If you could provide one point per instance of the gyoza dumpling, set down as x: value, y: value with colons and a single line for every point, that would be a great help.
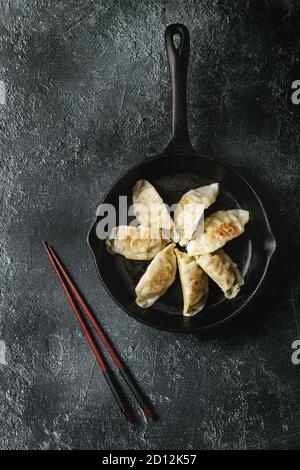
x: 150, y: 210
x: 134, y: 242
x: 190, y: 209
x: 219, y: 228
x: 220, y: 267
x: 158, y: 277
x: 194, y: 284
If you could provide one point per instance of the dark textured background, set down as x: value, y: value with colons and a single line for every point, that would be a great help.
x: 88, y: 96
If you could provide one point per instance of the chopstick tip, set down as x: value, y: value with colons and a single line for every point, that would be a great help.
x: 128, y: 415
x: 148, y: 412
x: 47, y: 246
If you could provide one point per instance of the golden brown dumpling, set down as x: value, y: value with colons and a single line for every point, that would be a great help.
x: 194, y: 284
x: 150, y: 210
x: 219, y: 228
x: 158, y: 277
x: 190, y: 208
x: 134, y: 242
x: 221, y: 269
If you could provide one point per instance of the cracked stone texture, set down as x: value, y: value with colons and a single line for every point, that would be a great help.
x: 87, y: 96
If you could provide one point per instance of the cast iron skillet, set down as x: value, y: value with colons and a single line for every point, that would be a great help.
x: 178, y: 169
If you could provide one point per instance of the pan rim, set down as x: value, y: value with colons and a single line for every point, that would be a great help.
x: 270, y: 253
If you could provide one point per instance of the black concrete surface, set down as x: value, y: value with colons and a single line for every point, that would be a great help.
x: 87, y: 96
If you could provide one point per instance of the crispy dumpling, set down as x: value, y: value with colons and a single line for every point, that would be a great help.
x: 134, y: 242
x: 190, y: 209
x: 194, y: 284
x: 158, y: 277
x: 219, y: 228
x: 221, y: 269
x: 151, y: 211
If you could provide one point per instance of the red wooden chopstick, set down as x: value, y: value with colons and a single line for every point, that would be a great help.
x: 106, y: 372
x: 67, y: 281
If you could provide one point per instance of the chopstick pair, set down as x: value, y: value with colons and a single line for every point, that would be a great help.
x: 69, y: 289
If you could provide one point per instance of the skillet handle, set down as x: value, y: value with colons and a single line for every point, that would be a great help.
x: 178, y: 58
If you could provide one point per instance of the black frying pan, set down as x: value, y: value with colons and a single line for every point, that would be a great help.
x: 178, y: 169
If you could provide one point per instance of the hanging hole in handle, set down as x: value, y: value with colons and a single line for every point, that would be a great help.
x: 177, y: 40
